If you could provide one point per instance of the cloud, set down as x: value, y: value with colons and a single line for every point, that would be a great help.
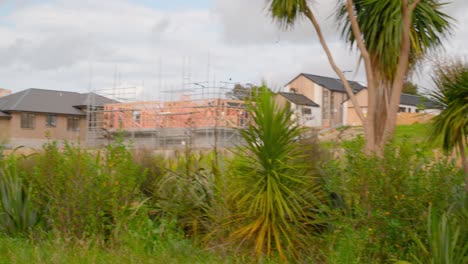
x: 249, y: 22
x: 65, y: 44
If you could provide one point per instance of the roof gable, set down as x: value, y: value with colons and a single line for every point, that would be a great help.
x: 329, y: 83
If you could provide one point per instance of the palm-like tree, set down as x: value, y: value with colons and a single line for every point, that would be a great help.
x: 380, y: 23
x: 450, y: 128
x: 274, y: 190
x: 391, y: 36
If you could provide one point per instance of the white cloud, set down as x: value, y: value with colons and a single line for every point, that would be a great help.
x: 54, y: 44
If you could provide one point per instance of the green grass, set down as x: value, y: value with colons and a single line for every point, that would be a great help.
x: 22, y: 250
x: 416, y: 133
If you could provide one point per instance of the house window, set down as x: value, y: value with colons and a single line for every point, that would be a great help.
x: 28, y: 120
x: 401, y: 109
x: 306, y: 111
x: 325, y: 105
x: 73, y: 124
x: 51, y: 120
x: 137, y: 117
x: 293, y: 90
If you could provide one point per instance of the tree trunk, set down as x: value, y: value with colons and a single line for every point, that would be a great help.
x: 464, y: 161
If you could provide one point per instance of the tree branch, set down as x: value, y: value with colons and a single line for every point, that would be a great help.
x: 402, y: 68
x: 337, y: 70
x: 360, y: 43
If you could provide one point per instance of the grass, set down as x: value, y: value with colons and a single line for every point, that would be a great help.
x: 416, y: 133
x: 23, y: 250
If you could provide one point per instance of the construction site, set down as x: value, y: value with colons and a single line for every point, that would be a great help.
x: 186, y: 117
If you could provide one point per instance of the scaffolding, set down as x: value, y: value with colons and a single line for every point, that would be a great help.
x: 167, y: 124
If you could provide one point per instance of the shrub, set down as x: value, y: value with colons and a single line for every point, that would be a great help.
x: 389, y: 195
x: 82, y: 193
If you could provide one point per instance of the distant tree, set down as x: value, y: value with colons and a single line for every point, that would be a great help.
x: 410, y: 88
x: 450, y: 128
x: 243, y: 92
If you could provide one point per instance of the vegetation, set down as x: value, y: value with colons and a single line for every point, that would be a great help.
x: 278, y: 199
x: 391, y: 37
x: 450, y: 128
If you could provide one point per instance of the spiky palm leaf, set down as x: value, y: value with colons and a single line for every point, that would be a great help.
x: 451, y: 126
x: 380, y: 22
x: 273, y: 190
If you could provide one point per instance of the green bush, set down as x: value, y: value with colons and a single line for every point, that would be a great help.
x: 81, y: 194
x: 389, y: 195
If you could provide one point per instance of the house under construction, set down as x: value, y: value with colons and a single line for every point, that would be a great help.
x: 204, y: 123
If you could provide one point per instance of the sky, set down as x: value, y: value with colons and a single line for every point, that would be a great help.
x: 163, y: 47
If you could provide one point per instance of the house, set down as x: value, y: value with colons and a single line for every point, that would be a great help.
x: 412, y: 107
x: 330, y: 105
x: 305, y: 111
x: 161, y: 124
x: 327, y: 95
x: 31, y: 117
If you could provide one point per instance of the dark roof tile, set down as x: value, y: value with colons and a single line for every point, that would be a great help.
x: 48, y: 101
x: 299, y: 99
x: 333, y: 84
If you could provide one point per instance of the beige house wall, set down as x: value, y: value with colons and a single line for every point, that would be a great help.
x: 5, y: 131
x: 313, y: 91
x: 303, y: 85
x: 351, y: 117
x: 40, y: 134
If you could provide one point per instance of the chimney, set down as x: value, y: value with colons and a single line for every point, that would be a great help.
x: 4, y: 92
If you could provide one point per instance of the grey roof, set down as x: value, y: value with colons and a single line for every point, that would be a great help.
x: 2, y: 114
x: 45, y: 101
x: 417, y: 100
x: 299, y: 99
x: 95, y: 99
x: 333, y: 84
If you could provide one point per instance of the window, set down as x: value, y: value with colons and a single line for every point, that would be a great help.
x: 306, y: 111
x: 326, y: 105
x: 28, y: 120
x: 136, y: 117
x: 293, y: 90
x: 401, y: 109
x: 51, y: 120
x: 73, y: 124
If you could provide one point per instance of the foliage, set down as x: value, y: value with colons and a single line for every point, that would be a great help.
x: 184, y: 192
x: 410, y: 88
x: 287, y: 11
x: 447, y: 236
x: 388, y: 196
x: 82, y: 194
x: 273, y: 193
x: 17, y: 213
x: 451, y: 127
x: 241, y: 92
x: 380, y: 23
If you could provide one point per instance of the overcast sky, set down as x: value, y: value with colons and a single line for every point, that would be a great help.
x: 158, y: 45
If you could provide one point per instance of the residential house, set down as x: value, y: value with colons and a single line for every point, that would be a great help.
x: 329, y: 102
x: 31, y: 117
x: 305, y: 111
x: 327, y: 94
x: 412, y: 107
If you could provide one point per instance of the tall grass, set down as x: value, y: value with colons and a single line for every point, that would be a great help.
x: 17, y: 212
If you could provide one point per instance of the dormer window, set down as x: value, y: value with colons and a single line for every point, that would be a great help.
x: 293, y: 90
